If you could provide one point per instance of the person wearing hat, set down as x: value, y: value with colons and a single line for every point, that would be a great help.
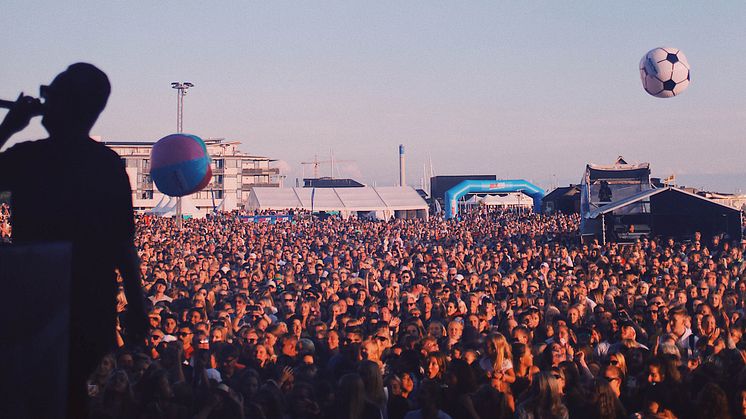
x: 159, y: 292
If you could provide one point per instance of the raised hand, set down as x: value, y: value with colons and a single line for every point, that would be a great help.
x: 18, y: 118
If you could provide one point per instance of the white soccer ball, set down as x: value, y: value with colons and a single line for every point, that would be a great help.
x: 664, y: 72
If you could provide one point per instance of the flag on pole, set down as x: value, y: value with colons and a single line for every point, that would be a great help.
x: 313, y: 194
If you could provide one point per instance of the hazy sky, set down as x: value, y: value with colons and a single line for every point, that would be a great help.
x: 520, y: 89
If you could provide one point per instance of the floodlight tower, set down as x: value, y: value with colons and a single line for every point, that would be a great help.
x: 181, y: 91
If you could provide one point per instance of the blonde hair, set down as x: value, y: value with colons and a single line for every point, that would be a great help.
x: 502, y: 350
x: 621, y: 362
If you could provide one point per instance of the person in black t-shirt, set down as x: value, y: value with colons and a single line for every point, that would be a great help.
x: 70, y: 188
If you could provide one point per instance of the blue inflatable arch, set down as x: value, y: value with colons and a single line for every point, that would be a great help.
x: 453, y: 195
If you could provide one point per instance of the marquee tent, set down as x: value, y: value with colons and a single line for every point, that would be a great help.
x: 509, y: 200
x: 379, y: 202
x: 167, y: 208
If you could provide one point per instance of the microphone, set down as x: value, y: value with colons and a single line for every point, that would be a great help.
x: 10, y: 104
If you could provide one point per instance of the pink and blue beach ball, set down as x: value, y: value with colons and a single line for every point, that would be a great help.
x: 180, y: 164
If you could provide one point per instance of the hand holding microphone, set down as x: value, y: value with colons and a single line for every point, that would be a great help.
x: 21, y: 112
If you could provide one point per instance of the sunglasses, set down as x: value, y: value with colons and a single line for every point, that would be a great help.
x: 183, y: 334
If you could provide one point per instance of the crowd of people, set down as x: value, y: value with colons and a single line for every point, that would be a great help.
x: 495, y: 315
x: 5, y: 230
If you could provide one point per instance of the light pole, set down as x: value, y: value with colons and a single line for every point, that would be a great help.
x: 181, y: 90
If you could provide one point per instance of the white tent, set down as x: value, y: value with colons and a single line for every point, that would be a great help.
x: 508, y: 200
x: 513, y: 199
x: 385, y: 202
x: 227, y: 202
x: 167, y: 207
x: 159, y: 208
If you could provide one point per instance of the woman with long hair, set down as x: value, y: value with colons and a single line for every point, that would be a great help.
x: 407, y: 384
x: 543, y: 399
x: 97, y: 381
x: 435, y: 366
x: 712, y: 402
x: 397, y: 405
x: 373, y: 382
x: 524, y: 368
x: 460, y: 386
x: 618, y: 360
x: 118, y: 399
x: 604, y: 404
x: 498, y: 363
x: 351, y: 401
x: 260, y: 360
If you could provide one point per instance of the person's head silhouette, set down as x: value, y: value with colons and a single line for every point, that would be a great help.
x: 74, y: 100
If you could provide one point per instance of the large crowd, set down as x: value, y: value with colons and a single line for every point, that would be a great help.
x: 5, y: 231
x: 495, y: 315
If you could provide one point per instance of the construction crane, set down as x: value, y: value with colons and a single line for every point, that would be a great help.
x: 316, y: 162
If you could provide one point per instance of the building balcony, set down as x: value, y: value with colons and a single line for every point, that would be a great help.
x: 265, y: 171
x: 246, y: 186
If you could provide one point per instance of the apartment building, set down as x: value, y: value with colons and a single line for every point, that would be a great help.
x: 234, y: 174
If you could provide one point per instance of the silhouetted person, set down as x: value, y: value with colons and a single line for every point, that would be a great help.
x: 604, y: 192
x: 71, y: 188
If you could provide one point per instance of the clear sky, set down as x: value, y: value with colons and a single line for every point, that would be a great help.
x: 520, y: 89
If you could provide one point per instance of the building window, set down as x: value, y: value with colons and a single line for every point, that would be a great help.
x: 146, y: 194
x: 219, y: 163
x: 218, y: 194
x: 218, y: 179
x: 146, y: 165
